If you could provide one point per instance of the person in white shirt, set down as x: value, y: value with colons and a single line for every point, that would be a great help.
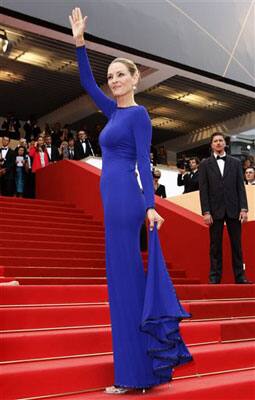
x: 52, y: 150
x: 82, y: 146
x: 223, y: 199
x: 20, y: 172
x: 7, y: 168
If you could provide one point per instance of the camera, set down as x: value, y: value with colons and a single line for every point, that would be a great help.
x: 182, y: 164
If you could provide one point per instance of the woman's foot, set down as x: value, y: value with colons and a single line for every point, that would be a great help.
x: 116, y: 390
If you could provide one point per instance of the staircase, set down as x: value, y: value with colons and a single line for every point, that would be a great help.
x: 55, y: 327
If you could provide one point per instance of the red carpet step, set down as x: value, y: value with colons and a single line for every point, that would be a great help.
x: 65, y: 272
x: 58, y: 239
x: 40, y: 244
x: 51, y: 231
x: 55, y: 327
x: 228, y: 386
x: 34, y: 202
x: 89, y: 225
x: 78, y: 294
x: 97, y: 314
x: 74, y: 374
x: 53, y: 253
x: 25, y: 212
x: 95, y: 340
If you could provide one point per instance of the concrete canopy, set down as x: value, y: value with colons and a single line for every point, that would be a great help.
x: 214, y: 36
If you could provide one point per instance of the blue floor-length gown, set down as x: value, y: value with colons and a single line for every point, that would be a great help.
x: 145, y: 313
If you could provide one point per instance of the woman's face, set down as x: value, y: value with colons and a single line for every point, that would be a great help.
x: 40, y: 141
x: 120, y: 81
x: 21, y: 151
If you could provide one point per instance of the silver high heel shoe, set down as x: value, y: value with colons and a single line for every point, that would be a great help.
x: 116, y: 390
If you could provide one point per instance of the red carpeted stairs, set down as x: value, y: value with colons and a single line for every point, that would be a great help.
x: 55, y: 327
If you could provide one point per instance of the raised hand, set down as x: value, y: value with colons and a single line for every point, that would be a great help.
x: 78, y: 23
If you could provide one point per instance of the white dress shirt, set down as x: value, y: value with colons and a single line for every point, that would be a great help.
x: 221, y: 163
x: 49, y: 151
x: 4, y: 152
x: 84, y: 146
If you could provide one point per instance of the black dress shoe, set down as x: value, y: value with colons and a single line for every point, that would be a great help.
x: 244, y: 282
x: 213, y: 282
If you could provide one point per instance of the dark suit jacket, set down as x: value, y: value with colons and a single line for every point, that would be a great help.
x: 79, y: 152
x: 9, y: 162
x: 54, y: 154
x: 189, y: 181
x: 222, y: 195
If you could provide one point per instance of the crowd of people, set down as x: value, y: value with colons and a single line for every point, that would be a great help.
x: 39, y: 147
x: 188, y: 175
x: 36, y: 150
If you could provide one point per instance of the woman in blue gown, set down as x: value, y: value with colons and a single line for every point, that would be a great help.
x: 145, y: 312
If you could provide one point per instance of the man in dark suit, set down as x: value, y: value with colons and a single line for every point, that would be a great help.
x: 52, y: 150
x: 190, y: 180
x: 82, y: 146
x: 7, y: 168
x: 71, y: 149
x: 223, y: 198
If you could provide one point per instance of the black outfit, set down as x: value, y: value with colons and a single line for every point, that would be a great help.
x: 28, y: 131
x: 7, y: 182
x: 161, y: 191
x: 79, y: 153
x: 11, y: 126
x: 190, y: 181
x: 223, y: 197
x: 54, y: 153
x: 71, y: 153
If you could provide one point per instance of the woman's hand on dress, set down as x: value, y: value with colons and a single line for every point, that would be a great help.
x: 153, y: 217
x: 78, y: 23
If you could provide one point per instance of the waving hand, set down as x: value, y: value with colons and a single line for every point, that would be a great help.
x: 78, y: 23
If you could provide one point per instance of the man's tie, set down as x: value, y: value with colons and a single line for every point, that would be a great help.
x: 221, y: 158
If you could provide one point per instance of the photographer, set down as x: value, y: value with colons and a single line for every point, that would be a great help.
x: 189, y: 175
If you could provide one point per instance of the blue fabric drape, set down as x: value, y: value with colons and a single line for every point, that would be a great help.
x: 162, y: 313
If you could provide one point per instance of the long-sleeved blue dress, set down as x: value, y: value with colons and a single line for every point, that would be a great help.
x: 145, y: 312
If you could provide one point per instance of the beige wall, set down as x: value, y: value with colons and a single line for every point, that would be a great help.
x: 191, y: 201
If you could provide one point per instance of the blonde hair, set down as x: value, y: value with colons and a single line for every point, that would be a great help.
x: 157, y: 172
x: 131, y: 66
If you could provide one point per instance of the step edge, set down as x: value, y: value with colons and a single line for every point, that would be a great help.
x: 101, y: 389
x: 97, y: 326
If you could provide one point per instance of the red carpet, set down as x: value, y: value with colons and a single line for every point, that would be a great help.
x: 55, y: 331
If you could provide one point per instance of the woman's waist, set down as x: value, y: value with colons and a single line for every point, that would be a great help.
x: 110, y: 166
